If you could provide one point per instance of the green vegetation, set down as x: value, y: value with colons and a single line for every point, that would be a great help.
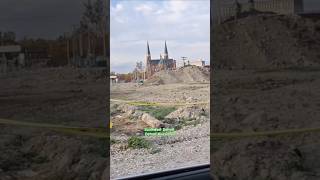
x: 114, y: 109
x: 97, y: 146
x: 178, y: 127
x: 40, y: 159
x: 114, y: 141
x: 216, y: 144
x: 157, y: 112
x: 187, y: 122
x: 138, y: 143
x: 100, y: 146
x: 155, y: 150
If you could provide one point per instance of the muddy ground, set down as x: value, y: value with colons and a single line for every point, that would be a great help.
x: 63, y: 96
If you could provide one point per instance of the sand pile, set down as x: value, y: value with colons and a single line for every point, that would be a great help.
x: 267, y: 41
x: 189, y: 74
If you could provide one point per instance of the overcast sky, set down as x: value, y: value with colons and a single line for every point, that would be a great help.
x: 39, y: 18
x: 185, y: 24
x: 50, y: 18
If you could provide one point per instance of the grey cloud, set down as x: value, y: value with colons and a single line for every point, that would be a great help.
x: 39, y: 18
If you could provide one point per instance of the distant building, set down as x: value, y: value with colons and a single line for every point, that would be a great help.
x: 17, y: 56
x: 199, y: 63
x: 138, y: 72
x: 155, y: 65
x: 113, y: 79
x: 36, y: 56
x: 11, y: 56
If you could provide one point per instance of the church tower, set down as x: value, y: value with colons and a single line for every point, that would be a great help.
x: 165, y: 55
x: 148, y: 62
x: 298, y: 6
x: 164, y: 58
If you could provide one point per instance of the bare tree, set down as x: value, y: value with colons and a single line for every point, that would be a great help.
x: 251, y: 5
x: 94, y: 17
x: 8, y: 38
x: 0, y: 38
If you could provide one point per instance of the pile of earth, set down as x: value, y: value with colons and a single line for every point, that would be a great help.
x: 266, y: 40
x: 280, y: 99
x: 35, y: 154
x: 188, y: 74
x: 257, y: 101
x: 59, y: 96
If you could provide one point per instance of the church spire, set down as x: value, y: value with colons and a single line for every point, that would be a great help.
x: 147, y: 63
x: 166, y: 56
x: 148, y: 49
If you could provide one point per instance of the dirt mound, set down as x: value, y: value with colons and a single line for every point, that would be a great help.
x: 266, y: 101
x: 47, y: 155
x: 192, y: 112
x: 266, y: 41
x: 59, y: 95
x: 189, y: 74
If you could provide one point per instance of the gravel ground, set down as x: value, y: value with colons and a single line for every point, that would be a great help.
x: 161, y: 93
x: 189, y: 147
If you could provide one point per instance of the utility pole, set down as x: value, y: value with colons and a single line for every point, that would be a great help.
x: 104, y: 24
x: 184, y: 59
x: 68, y: 47
x: 74, y: 45
x: 251, y: 5
x: 237, y: 9
x: 218, y: 8
x: 80, y: 44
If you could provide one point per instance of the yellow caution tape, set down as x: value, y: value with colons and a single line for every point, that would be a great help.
x: 94, y: 132
x: 264, y: 134
x: 102, y: 133
x: 141, y: 103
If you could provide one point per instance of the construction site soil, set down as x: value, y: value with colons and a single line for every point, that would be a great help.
x: 58, y: 96
x: 188, y: 147
x: 266, y: 78
x: 188, y: 74
x: 266, y: 41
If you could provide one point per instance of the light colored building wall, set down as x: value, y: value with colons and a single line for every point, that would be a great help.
x: 10, y: 49
x: 113, y: 79
x: 15, y: 61
x: 198, y: 63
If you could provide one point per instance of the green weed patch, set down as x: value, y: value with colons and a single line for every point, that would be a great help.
x: 157, y: 112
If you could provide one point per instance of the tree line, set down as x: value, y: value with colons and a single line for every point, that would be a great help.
x: 7, y: 38
x: 88, y: 38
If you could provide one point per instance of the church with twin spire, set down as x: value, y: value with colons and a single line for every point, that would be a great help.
x: 155, y: 65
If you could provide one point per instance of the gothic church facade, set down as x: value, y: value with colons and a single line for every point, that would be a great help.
x: 155, y: 65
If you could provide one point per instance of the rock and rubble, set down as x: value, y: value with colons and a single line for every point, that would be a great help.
x: 190, y: 144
